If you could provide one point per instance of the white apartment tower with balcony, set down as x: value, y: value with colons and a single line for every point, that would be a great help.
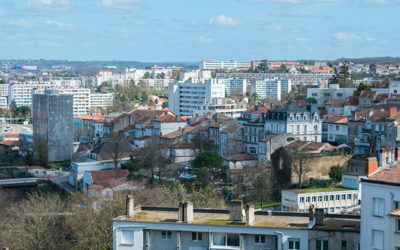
x: 270, y: 88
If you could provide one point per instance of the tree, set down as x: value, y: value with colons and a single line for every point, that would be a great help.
x: 300, y: 166
x: 2, y: 81
x: 281, y: 168
x: 203, y: 163
x: 165, y: 105
x: 372, y: 68
x: 147, y: 75
x: 203, y: 144
x: 152, y: 158
x: 360, y: 88
x: 117, y: 147
x: 335, y: 173
x: 261, y: 188
x: 175, y: 192
x: 284, y: 69
x: 311, y: 100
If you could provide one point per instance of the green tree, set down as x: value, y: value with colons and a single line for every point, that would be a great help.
x: 335, y: 173
x: 147, y: 75
x: 372, y: 68
x: 165, y: 105
x: 2, y: 81
x: 360, y: 88
x: 208, y: 159
x: 281, y: 161
x: 284, y: 69
x: 311, y: 100
x: 213, y: 74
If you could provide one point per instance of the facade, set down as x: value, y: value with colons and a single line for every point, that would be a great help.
x: 187, y: 99
x: 3, y: 102
x: 332, y: 200
x: 101, y: 100
x: 25, y: 143
x: 394, y: 87
x: 234, y: 229
x: 267, y: 89
x: 213, y: 65
x: 81, y: 99
x: 380, y: 209
x: 21, y: 94
x: 302, y: 124
x: 4, y: 89
x: 235, y: 87
x: 53, y: 133
x: 333, y: 92
x: 334, y: 129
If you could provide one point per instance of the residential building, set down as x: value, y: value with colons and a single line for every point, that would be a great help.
x: 3, y: 102
x: 103, y: 100
x: 81, y: 99
x: 254, y: 112
x: 234, y: 87
x: 213, y: 65
x: 333, y: 92
x: 394, y: 87
x: 187, y: 99
x: 334, y: 129
x: 379, y: 209
x: 4, y: 89
x: 21, y: 94
x: 53, y: 133
x: 186, y: 227
x: 299, y: 123
x: 267, y: 89
x: 253, y: 131
x: 89, y: 129
x: 332, y: 200
x: 268, y: 145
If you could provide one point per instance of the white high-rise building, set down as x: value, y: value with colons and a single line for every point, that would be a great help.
x: 101, y: 100
x: 267, y: 89
x: 81, y: 100
x: 21, y: 94
x: 212, y: 65
x: 234, y: 87
x: 3, y: 89
x: 188, y: 99
x: 3, y: 102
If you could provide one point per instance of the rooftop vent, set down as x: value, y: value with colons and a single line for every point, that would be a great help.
x: 235, y: 211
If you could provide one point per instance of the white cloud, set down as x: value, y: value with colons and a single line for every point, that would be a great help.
x: 275, y: 27
x: 120, y: 4
x: 205, y: 40
x: 49, y: 4
x: 345, y: 36
x: 49, y: 44
x: 290, y: 1
x: 59, y: 24
x: 225, y: 21
x: 22, y: 22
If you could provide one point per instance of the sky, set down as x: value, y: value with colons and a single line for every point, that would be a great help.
x: 193, y: 30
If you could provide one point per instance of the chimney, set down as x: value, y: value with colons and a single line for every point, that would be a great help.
x: 129, y: 205
x: 392, y: 111
x: 235, y: 211
x: 319, y: 216
x: 311, y: 213
x: 263, y: 117
x: 185, y: 212
x: 249, y: 214
x: 371, y: 165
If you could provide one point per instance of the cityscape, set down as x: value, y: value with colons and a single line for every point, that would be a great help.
x: 226, y: 131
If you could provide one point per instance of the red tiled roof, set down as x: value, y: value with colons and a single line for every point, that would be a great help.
x: 172, y: 135
x: 166, y: 118
x: 9, y: 143
x: 257, y: 110
x: 183, y: 145
x: 396, y: 212
x: 367, y: 94
x: 336, y: 120
x: 10, y: 135
x: 241, y: 157
x: 389, y: 174
x: 35, y: 167
x: 336, y: 103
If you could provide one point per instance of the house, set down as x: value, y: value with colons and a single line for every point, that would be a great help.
x: 239, y: 161
x: 182, y: 152
x: 167, y: 124
x: 172, y: 138
x: 187, y: 227
x: 253, y: 131
x: 102, y: 179
x: 335, y: 106
x: 110, y: 149
x: 267, y: 146
x: 334, y: 129
x: 379, y: 209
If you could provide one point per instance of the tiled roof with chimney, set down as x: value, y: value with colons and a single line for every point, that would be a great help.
x: 336, y: 103
x: 388, y: 175
x: 336, y: 120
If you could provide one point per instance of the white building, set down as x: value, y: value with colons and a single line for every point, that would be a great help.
x: 194, y: 74
x: 394, y: 87
x: 380, y: 210
x: 81, y: 100
x: 213, y: 65
x: 332, y: 200
x: 187, y: 99
x: 235, y: 87
x: 334, y: 129
x: 156, y: 84
x: 104, y: 76
x: 101, y: 100
x: 4, y: 89
x: 333, y: 92
x: 267, y: 89
x: 3, y: 102
x: 21, y: 94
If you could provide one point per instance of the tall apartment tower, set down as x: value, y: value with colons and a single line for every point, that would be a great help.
x: 53, y: 132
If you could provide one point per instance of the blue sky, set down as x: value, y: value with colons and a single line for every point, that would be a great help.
x: 192, y: 30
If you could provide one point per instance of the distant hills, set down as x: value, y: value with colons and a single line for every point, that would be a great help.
x: 368, y: 60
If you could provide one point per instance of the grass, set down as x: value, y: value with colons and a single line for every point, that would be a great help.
x: 267, y: 204
x: 224, y: 222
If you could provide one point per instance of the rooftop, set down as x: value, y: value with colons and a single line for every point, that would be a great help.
x: 317, y: 190
x: 389, y: 174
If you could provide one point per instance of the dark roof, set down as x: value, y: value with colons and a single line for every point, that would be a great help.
x: 241, y: 157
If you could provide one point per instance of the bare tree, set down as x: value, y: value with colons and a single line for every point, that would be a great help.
x: 153, y: 158
x: 262, y: 188
x: 116, y: 148
x: 300, y: 165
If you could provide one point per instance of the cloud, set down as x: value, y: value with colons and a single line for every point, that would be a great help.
x: 22, y: 22
x: 52, y: 5
x: 58, y: 24
x: 120, y: 4
x: 205, y: 40
x: 49, y: 44
x: 382, y: 2
x: 345, y: 36
x: 224, y: 21
x: 290, y: 1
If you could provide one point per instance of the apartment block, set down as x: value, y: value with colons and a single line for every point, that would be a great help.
x: 234, y: 87
x: 267, y: 89
x: 101, y: 100
x: 3, y: 102
x: 4, y: 89
x: 213, y: 65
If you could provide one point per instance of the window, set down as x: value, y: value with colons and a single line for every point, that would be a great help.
x: 127, y: 237
x: 379, y: 207
x: 301, y: 199
x: 298, y: 128
x: 166, y: 235
x: 307, y: 199
x: 321, y: 245
x: 294, y: 244
x: 305, y: 128
x: 331, y: 210
x: 222, y: 239
x: 338, y: 197
x: 259, y: 239
x: 343, y: 197
x: 326, y: 198
x: 252, y: 150
x: 319, y: 198
x: 332, y: 197
x: 377, y: 239
x: 314, y: 198
x: 349, y: 196
x: 197, y: 236
x: 396, y: 205
x: 398, y: 226
x: 344, y: 244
